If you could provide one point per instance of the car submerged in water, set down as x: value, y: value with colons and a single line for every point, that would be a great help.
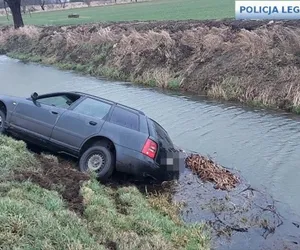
x: 103, y: 135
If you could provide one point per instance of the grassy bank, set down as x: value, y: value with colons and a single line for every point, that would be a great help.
x: 152, y: 10
x: 250, y: 62
x: 46, y: 204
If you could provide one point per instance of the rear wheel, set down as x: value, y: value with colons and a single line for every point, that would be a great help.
x: 2, y: 120
x: 97, y: 159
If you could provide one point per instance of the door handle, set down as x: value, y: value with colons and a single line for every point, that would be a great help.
x: 93, y: 123
x: 54, y: 112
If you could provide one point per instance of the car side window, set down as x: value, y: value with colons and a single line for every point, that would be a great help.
x: 92, y: 107
x: 60, y: 101
x: 125, y: 118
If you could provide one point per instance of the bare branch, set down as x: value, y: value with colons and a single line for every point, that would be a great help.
x: 5, y: 7
x: 238, y: 229
x: 42, y: 3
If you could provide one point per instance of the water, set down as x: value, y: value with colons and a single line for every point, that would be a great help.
x: 263, y: 145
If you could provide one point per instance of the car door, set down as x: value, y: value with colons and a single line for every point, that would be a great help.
x: 37, y: 118
x: 80, y: 123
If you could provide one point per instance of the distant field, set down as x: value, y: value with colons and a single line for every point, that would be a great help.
x: 154, y: 10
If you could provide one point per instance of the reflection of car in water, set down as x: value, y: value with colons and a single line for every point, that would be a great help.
x: 104, y: 135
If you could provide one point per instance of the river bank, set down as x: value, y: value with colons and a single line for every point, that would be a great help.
x: 47, y: 204
x: 252, y: 62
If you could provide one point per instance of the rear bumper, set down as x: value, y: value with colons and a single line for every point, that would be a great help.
x: 133, y: 162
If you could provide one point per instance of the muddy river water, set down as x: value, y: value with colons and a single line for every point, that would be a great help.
x: 263, y: 145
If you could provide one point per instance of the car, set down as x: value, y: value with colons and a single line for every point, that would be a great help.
x: 104, y: 136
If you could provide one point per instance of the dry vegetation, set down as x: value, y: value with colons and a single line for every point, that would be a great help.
x: 47, y: 204
x: 255, y: 63
x: 207, y: 170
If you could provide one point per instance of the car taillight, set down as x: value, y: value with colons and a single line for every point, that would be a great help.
x: 150, y: 148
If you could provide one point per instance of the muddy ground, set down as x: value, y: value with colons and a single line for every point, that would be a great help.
x: 244, y: 218
x: 241, y: 216
x: 55, y: 175
x: 253, y: 62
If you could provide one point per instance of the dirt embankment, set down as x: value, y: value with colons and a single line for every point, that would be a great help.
x: 46, y: 203
x: 253, y: 62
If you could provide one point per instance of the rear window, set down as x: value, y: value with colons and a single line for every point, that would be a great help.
x: 162, y: 133
x: 125, y: 118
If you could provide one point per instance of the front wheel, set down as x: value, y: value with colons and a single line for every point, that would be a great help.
x: 2, y: 120
x: 97, y: 159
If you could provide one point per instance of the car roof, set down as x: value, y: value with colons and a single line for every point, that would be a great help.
x: 110, y: 101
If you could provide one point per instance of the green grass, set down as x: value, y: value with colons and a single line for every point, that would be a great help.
x: 32, y: 217
x: 153, y: 10
x: 14, y: 156
x: 35, y: 218
x: 126, y: 214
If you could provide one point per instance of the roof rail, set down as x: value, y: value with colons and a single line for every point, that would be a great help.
x: 124, y: 106
x: 116, y: 103
x: 94, y: 96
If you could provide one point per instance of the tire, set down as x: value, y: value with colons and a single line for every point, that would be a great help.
x: 92, y: 154
x: 2, y: 120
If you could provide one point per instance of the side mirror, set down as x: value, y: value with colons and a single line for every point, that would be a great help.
x: 34, y: 96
